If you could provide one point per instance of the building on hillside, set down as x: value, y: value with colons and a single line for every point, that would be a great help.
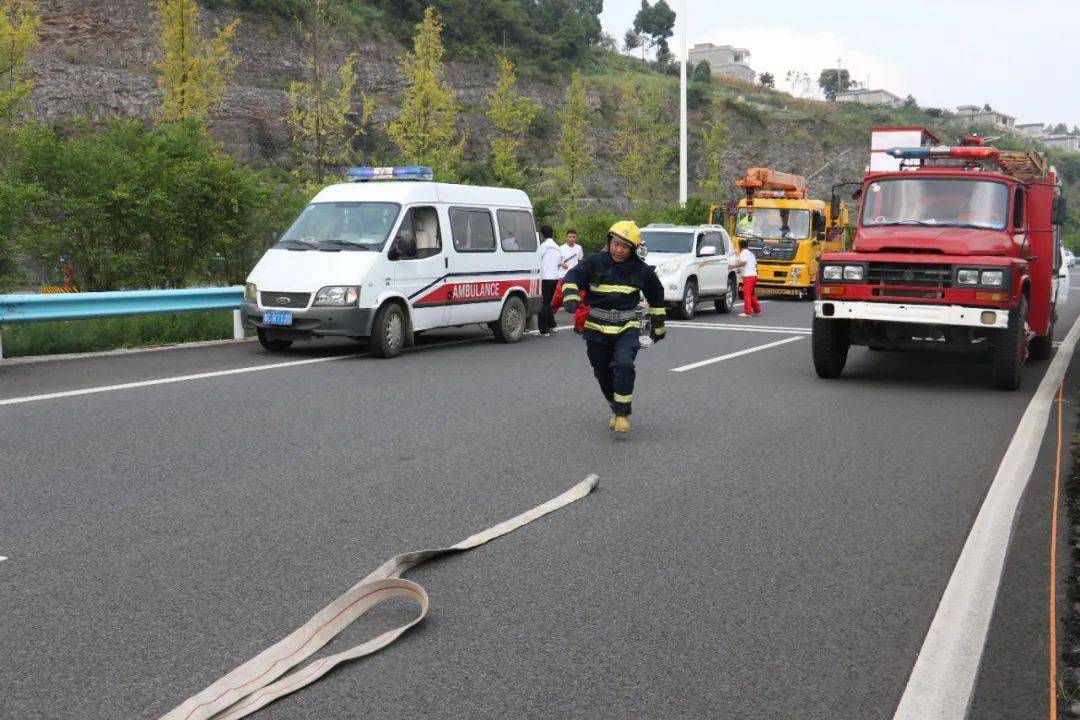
x: 1067, y: 141
x: 724, y: 61
x: 982, y: 116
x: 871, y: 97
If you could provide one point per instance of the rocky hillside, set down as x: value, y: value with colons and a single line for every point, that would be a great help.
x: 96, y: 57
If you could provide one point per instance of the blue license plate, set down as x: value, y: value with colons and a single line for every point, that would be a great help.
x: 277, y: 318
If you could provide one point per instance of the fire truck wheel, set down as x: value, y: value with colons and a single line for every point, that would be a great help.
x: 685, y: 309
x: 1040, y: 346
x: 830, y: 347
x: 1009, y: 350
x: 388, y: 333
x: 271, y: 343
x: 510, y: 327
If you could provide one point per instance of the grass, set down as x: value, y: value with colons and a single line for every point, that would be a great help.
x: 75, y: 336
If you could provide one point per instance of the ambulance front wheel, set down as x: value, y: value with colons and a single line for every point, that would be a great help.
x: 510, y: 327
x: 388, y: 334
x: 271, y: 343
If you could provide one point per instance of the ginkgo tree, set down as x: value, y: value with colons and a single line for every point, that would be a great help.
x: 19, y: 23
x: 511, y: 113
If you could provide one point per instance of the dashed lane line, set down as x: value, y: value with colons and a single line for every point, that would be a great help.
x: 740, y: 353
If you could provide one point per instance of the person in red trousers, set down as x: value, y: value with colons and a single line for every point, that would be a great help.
x: 748, y: 262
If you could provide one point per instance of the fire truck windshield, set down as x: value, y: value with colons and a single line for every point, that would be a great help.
x: 775, y: 223
x: 936, y: 202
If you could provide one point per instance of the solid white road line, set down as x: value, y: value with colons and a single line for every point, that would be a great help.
x: 2, y: 558
x: 729, y: 356
x: 943, y: 679
x: 732, y: 326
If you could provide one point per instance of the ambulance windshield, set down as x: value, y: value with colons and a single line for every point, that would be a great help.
x: 341, y: 225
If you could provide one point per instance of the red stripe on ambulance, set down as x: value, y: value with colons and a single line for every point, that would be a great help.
x: 471, y: 292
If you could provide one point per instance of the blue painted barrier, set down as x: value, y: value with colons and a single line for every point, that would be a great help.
x: 82, y: 306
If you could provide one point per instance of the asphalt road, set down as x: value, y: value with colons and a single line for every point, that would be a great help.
x: 763, y: 544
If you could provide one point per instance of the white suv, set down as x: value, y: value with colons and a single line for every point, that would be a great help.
x: 694, y: 264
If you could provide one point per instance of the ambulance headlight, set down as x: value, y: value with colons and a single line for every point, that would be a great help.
x: 833, y: 272
x: 993, y: 278
x: 338, y: 295
x: 250, y: 292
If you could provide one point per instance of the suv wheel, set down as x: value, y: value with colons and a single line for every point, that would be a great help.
x: 685, y: 309
x: 726, y: 302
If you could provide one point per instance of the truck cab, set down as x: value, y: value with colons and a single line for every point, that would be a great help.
x: 955, y: 250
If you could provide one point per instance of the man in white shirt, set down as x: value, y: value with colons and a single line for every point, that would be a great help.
x: 748, y: 262
x: 550, y: 260
x: 570, y: 254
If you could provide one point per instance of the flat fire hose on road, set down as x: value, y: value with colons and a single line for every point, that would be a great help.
x: 255, y: 683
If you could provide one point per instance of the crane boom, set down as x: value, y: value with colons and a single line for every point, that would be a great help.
x: 763, y: 182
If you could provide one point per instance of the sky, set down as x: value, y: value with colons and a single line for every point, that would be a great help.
x: 1021, y: 58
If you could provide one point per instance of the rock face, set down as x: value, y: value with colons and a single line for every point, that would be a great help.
x: 97, y: 58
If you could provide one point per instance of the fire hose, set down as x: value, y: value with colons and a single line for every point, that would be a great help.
x: 259, y: 681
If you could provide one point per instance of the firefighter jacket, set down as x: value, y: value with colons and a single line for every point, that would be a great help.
x: 614, y: 290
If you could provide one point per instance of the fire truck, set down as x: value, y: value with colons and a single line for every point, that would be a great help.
x: 956, y: 248
x: 788, y: 230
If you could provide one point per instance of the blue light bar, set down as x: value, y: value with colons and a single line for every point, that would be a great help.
x: 404, y: 172
x: 909, y: 153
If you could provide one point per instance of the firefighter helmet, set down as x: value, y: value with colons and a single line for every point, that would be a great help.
x: 627, y: 230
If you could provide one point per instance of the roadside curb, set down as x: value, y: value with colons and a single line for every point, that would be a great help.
x: 32, y: 359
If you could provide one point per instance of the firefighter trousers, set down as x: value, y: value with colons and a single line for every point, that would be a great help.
x: 612, y: 359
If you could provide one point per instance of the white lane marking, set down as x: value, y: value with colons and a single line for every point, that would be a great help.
x: 943, y: 679
x: 729, y: 356
x: 2, y: 558
x: 732, y: 326
x: 206, y: 375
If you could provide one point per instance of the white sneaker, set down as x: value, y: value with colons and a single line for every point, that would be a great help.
x: 745, y: 315
x: 545, y: 334
x: 554, y: 330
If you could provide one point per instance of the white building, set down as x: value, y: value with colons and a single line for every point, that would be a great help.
x: 724, y: 61
x: 871, y: 97
x: 1045, y: 134
x: 982, y: 116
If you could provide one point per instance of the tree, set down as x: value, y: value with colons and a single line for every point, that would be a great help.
x: 19, y: 22
x: 628, y: 143
x: 834, y: 81
x: 511, y: 113
x: 702, y: 73
x: 658, y: 136
x: 653, y: 25
x: 193, y: 70
x: 987, y: 108
x: 799, y: 82
x: 425, y: 132
x: 321, y: 112
x: 715, y: 137
x: 766, y: 80
x: 573, y: 148
x: 1060, y: 129
x: 911, y: 102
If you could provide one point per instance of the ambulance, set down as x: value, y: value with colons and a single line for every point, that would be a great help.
x: 390, y: 254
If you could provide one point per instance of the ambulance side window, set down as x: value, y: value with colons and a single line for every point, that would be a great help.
x: 419, y: 235
x: 472, y: 229
x: 517, y: 231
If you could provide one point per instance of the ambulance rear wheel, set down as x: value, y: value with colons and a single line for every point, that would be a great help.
x: 271, y: 343
x: 388, y: 334
x: 510, y: 327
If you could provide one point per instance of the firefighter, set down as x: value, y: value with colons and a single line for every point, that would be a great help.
x: 614, y: 280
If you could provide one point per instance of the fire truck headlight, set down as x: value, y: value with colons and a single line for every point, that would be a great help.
x: 833, y: 272
x: 967, y: 276
x: 993, y: 278
x: 854, y: 272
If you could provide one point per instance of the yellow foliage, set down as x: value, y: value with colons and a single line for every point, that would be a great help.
x: 511, y: 113
x: 573, y: 148
x: 426, y: 132
x: 19, y: 23
x: 193, y: 70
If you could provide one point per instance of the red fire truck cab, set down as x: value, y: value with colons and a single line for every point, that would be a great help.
x: 957, y: 249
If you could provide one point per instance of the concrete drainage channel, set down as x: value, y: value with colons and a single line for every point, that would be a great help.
x: 1067, y: 679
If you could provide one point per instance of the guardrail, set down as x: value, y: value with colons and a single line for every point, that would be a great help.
x: 84, y: 306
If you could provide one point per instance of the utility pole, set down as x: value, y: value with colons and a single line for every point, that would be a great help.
x: 682, y: 112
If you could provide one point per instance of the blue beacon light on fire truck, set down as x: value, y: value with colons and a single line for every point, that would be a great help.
x: 943, y: 151
x: 403, y: 172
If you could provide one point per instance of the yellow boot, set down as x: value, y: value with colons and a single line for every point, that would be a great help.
x: 612, y: 423
x: 620, y: 424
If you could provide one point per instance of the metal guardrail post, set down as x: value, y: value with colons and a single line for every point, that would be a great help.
x: 1, y: 343
x: 237, y: 326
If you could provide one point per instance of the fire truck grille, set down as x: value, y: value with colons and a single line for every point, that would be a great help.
x: 297, y: 301
x: 930, y: 276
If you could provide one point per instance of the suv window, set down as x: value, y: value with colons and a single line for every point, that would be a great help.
x: 714, y: 239
x: 517, y: 230
x: 419, y: 235
x: 472, y: 230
